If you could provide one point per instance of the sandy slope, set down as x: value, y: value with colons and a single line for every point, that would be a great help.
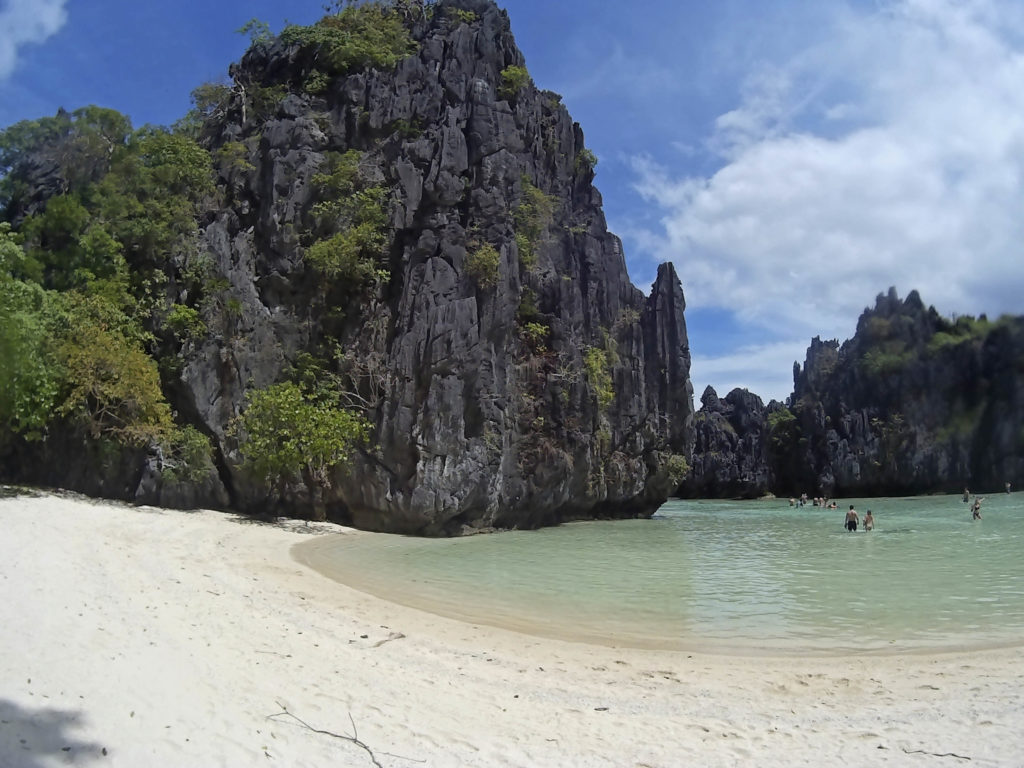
x: 143, y: 637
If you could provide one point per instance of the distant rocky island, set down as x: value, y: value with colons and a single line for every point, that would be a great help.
x: 914, y: 403
x: 369, y: 279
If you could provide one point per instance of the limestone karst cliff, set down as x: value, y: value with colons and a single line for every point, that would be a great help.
x: 912, y: 403
x: 730, y: 455
x: 422, y: 231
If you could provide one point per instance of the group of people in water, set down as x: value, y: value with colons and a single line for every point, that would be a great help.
x: 817, y: 501
x: 852, y: 520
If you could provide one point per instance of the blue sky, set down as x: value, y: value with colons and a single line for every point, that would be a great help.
x: 792, y: 158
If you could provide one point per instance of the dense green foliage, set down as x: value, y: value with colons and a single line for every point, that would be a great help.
x: 532, y: 216
x: 209, y: 102
x: 350, y: 223
x: 111, y: 386
x: 187, y: 455
x: 886, y: 348
x: 879, y: 362
x: 81, y: 278
x: 29, y: 376
x: 678, y: 468
x: 234, y: 156
x: 585, y: 160
x: 185, y: 322
x: 513, y: 80
x: 81, y: 144
x: 289, y: 433
x: 782, y: 428
x: 536, y: 335
x: 461, y: 15
x: 106, y: 241
x: 965, y: 329
x: 597, y: 363
x: 482, y: 264
x: 356, y: 37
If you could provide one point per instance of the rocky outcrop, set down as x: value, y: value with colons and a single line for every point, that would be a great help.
x: 913, y: 403
x: 730, y: 456
x: 475, y: 425
x: 546, y: 389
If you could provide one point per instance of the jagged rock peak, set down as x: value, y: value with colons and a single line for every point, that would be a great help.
x: 407, y: 228
x: 710, y: 401
x: 729, y: 448
x: 535, y: 387
x: 820, y: 360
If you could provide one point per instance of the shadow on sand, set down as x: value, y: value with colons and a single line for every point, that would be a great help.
x: 31, y: 738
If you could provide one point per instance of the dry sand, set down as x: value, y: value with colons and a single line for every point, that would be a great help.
x: 144, y: 637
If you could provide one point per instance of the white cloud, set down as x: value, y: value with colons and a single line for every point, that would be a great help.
x: 754, y: 367
x: 890, y: 152
x: 26, y: 21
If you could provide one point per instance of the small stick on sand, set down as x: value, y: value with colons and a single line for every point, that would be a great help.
x: 354, y: 738
x: 934, y: 754
x: 392, y: 636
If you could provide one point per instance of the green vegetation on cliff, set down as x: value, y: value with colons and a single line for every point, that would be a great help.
x: 483, y: 263
x: 513, y: 79
x: 913, y: 403
x: 101, y: 272
x: 355, y: 37
x: 598, y: 363
x: 532, y: 216
x: 351, y: 216
x: 82, y: 277
x: 288, y: 434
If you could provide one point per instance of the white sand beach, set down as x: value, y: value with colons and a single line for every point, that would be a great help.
x: 145, y: 637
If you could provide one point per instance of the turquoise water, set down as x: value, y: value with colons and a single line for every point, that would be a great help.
x: 722, y: 576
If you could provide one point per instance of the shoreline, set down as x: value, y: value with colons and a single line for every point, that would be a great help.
x: 318, y: 555
x: 139, y: 636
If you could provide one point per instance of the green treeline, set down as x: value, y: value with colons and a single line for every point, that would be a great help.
x: 83, y: 274
x: 104, y: 281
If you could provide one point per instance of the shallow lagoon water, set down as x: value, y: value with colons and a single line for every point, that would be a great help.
x: 722, y: 576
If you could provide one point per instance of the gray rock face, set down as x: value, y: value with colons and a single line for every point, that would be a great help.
x: 913, y: 403
x: 730, y: 456
x: 476, y: 424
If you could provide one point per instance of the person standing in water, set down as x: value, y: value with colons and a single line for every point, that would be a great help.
x: 976, y: 508
x: 967, y: 495
x: 869, y: 521
x: 852, y: 518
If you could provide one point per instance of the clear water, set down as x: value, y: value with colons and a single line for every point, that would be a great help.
x: 722, y: 576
